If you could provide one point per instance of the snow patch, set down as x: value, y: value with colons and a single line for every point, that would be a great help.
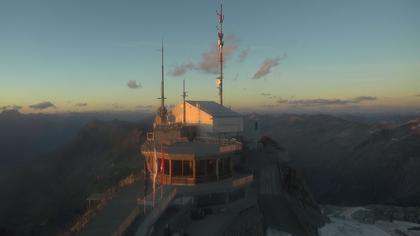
x: 344, y: 227
x: 342, y: 223
x: 348, y: 212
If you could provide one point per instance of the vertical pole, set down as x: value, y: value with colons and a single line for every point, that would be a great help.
x: 162, y: 102
x: 184, y: 94
x: 162, y: 169
x: 170, y: 170
x: 162, y: 110
x: 155, y: 172
x: 145, y: 186
x: 220, y: 42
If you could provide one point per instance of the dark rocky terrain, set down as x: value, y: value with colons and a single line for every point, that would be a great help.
x: 347, y: 162
x: 285, y: 201
x: 50, y: 165
x: 46, y: 194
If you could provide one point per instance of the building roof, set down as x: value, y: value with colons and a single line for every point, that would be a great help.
x: 214, y: 109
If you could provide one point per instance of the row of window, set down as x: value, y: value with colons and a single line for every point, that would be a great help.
x: 203, y: 167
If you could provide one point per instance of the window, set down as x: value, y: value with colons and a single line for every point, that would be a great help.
x: 220, y: 167
x: 211, y: 167
x: 176, y: 168
x: 187, y: 168
x: 166, y: 167
x: 226, y: 166
x: 201, y: 168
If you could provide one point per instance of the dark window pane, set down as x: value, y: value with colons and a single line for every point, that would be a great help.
x: 166, y: 167
x: 176, y: 168
x: 226, y: 165
x: 211, y: 167
x: 201, y: 168
x: 187, y: 168
x: 220, y: 167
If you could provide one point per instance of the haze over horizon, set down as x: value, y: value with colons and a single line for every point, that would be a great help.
x: 358, y: 56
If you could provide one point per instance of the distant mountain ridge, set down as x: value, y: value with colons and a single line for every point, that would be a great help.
x: 352, y: 163
x: 25, y: 136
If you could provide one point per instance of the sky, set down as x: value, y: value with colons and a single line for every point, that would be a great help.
x: 91, y: 55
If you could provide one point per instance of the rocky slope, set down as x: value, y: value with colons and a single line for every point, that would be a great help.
x: 346, y: 162
x: 47, y: 194
x: 285, y: 202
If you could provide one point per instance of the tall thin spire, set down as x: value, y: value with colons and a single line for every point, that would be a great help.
x: 162, y: 109
x: 184, y: 95
x: 162, y: 89
x: 220, y: 43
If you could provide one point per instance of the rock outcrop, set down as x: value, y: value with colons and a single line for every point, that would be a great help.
x: 284, y: 200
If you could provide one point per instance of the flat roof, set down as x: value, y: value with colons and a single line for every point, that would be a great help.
x: 214, y: 109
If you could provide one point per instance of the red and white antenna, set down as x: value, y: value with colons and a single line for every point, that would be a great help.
x: 220, y: 42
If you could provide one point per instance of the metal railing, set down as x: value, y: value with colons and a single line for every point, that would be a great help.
x: 150, y: 206
x: 158, y: 207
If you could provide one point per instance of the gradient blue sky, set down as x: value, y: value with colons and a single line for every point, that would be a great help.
x: 85, y: 51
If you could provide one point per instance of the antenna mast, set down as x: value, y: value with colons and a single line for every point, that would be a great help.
x: 220, y: 42
x: 162, y: 96
x: 184, y: 95
x: 162, y: 110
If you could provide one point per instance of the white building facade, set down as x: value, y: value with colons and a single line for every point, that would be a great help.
x: 212, y: 118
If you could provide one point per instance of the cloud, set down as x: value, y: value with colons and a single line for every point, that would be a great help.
x: 10, y: 107
x: 243, y: 55
x: 267, y: 65
x: 363, y: 98
x: 82, y: 104
x: 269, y: 105
x: 182, y: 69
x: 265, y: 94
x: 328, y: 102
x: 42, y: 105
x: 117, y: 106
x: 209, y: 62
x: 281, y: 101
x: 317, y: 102
x: 133, y: 84
x: 145, y: 107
